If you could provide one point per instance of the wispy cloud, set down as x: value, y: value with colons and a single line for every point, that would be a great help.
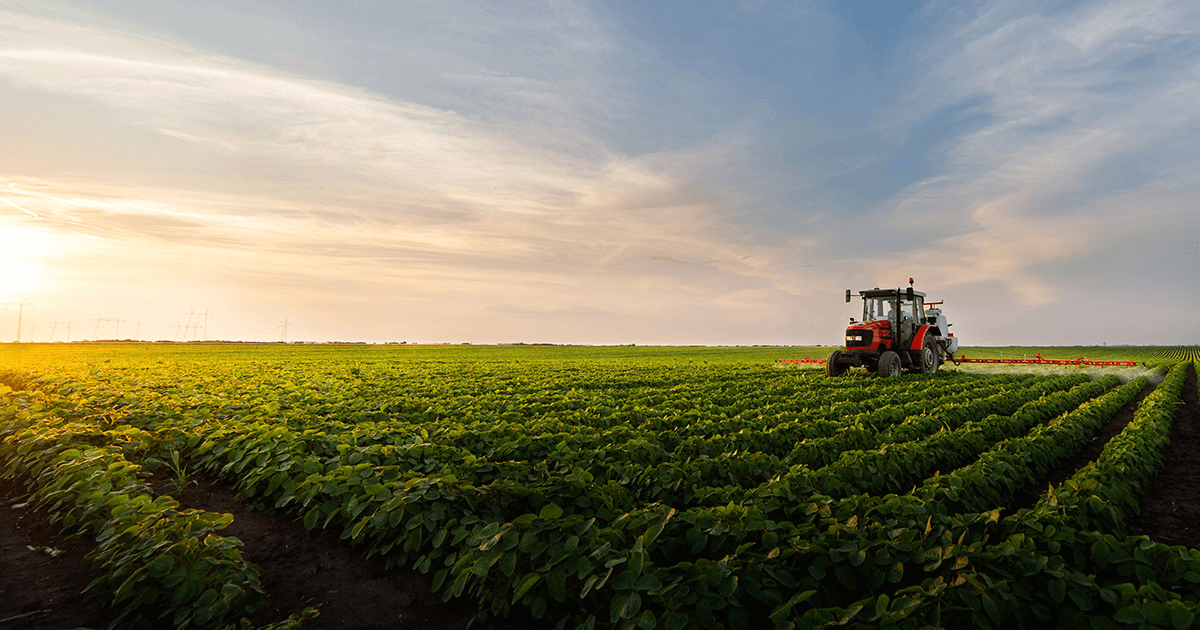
x: 1027, y: 188
x: 373, y: 187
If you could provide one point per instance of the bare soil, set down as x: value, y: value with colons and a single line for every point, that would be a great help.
x: 1171, y: 505
x: 39, y: 587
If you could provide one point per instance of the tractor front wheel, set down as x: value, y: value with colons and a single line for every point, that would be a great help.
x: 889, y: 364
x: 832, y: 366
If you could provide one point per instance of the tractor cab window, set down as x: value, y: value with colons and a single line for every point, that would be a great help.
x: 877, y: 308
x: 915, y: 310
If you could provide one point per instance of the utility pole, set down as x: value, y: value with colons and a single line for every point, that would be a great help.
x: 206, y: 324
x: 69, y: 331
x: 285, y: 327
x: 137, y: 332
x: 53, y: 327
x: 118, y: 320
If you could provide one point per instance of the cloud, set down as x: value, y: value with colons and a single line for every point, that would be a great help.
x: 344, y: 192
x: 1069, y: 155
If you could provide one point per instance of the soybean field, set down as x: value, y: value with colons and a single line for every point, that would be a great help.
x: 622, y: 487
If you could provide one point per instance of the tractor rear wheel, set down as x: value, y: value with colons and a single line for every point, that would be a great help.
x: 889, y: 364
x: 926, y: 360
x: 832, y: 366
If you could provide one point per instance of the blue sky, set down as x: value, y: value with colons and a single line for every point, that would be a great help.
x: 617, y: 172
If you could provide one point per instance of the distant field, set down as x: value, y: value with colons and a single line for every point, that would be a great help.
x: 39, y: 353
x: 625, y: 487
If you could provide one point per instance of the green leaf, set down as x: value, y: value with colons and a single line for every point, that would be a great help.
x: 881, y: 605
x: 1058, y: 591
x: 648, y: 583
x: 1130, y: 614
x: 846, y: 576
x: 1101, y: 552
x: 992, y: 608
x: 677, y: 621
x: 625, y: 606
x: 550, y: 511
x: 624, y: 581
x: 556, y: 583
x: 160, y: 567
x: 1181, y: 618
x: 529, y: 582
x: 896, y: 573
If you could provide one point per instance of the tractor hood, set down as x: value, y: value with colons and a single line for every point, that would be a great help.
x: 879, y: 324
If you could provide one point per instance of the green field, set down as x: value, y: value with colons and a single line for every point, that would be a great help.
x: 609, y: 487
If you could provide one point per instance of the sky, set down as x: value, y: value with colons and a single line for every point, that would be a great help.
x: 676, y: 172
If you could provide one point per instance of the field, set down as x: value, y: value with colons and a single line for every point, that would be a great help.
x: 615, y: 487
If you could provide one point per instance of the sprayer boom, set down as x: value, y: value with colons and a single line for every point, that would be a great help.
x: 1040, y: 361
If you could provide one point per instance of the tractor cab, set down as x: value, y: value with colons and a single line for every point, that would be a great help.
x: 898, y: 331
x: 892, y: 309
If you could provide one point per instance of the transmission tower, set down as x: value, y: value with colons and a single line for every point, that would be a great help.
x: 20, y: 314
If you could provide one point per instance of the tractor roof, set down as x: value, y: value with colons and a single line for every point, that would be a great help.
x: 877, y: 293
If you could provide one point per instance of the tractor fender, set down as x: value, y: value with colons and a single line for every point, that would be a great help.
x: 918, y: 340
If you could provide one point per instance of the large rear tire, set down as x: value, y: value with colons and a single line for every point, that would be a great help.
x: 889, y: 364
x: 927, y: 360
x: 832, y: 366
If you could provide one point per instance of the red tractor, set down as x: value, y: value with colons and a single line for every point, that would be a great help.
x: 899, y: 331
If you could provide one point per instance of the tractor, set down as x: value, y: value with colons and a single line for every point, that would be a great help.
x: 899, y: 331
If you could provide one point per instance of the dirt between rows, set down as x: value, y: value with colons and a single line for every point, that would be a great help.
x: 1170, y: 511
x: 42, y: 572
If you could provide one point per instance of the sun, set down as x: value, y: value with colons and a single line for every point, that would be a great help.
x: 18, y: 277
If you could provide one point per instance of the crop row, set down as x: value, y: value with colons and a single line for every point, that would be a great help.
x: 156, y: 562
